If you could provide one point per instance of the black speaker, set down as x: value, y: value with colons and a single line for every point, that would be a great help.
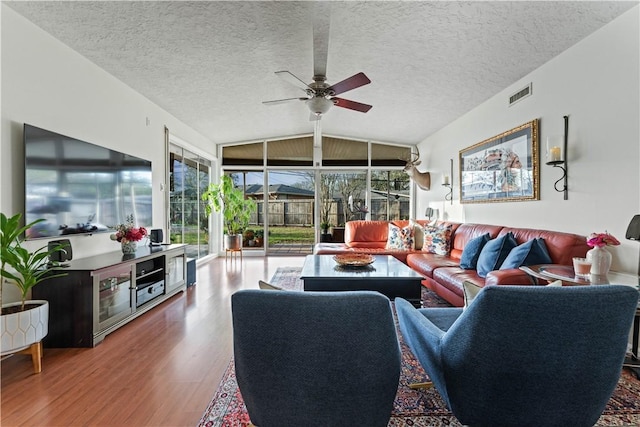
x: 156, y: 235
x: 191, y: 272
x: 65, y: 254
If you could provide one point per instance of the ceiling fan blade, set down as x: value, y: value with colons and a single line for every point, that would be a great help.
x: 352, y: 105
x: 283, y: 101
x: 350, y: 83
x: 294, y: 80
x: 321, y: 38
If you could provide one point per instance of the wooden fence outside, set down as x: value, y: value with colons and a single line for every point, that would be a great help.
x: 299, y: 212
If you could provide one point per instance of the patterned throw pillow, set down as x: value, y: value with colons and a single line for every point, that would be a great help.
x: 400, y: 238
x: 437, y: 239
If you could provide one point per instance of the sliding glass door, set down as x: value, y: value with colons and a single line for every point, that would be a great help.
x: 189, y: 176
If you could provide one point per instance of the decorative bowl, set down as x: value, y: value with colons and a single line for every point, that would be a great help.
x: 353, y: 260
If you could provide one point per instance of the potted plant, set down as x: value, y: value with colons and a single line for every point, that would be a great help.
x: 24, y: 324
x: 249, y: 237
x: 259, y: 237
x: 128, y: 235
x: 236, y: 210
x: 325, y: 236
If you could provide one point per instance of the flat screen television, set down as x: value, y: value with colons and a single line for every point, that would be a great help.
x: 81, y: 188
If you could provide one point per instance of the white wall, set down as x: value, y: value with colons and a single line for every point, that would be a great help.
x: 46, y: 84
x: 597, y: 84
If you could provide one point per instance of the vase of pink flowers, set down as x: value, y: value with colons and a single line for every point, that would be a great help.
x: 128, y: 235
x: 600, y: 257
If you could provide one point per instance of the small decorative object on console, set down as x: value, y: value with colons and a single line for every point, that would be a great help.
x: 128, y: 235
x: 353, y: 260
x: 600, y: 258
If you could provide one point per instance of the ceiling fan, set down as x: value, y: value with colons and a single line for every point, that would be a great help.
x: 321, y: 96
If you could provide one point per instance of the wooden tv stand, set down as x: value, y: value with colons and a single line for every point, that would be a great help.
x: 101, y: 293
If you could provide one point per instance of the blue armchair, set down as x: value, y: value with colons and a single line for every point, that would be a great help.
x: 315, y: 358
x: 525, y: 355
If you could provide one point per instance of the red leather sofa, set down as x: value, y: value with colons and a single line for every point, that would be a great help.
x: 442, y: 273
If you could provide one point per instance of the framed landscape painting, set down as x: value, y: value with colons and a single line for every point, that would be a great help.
x: 504, y: 168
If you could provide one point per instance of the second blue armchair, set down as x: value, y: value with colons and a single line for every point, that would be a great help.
x: 525, y: 355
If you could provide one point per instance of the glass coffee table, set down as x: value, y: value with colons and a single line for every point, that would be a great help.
x: 386, y: 275
x: 552, y: 272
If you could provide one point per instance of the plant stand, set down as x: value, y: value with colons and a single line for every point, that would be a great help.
x: 22, y: 332
x: 35, y: 350
x: 233, y: 252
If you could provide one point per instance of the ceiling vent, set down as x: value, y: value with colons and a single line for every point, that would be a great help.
x: 521, y: 94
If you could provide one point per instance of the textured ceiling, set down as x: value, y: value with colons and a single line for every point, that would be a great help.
x: 211, y: 64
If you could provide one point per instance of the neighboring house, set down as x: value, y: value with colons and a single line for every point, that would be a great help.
x: 279, y: 192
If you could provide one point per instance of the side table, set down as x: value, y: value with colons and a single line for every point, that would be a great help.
x: 551, y: 272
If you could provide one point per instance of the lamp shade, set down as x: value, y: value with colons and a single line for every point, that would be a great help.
x: 633, y: 231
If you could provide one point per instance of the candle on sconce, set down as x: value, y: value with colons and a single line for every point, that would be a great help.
x: 555, y: 154
x: 446, y: 180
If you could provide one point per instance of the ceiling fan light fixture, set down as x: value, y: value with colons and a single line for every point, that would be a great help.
x: 319, y: 104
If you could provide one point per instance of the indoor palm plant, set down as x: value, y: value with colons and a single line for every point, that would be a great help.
x: 236, y: 210
x: 23, y: 323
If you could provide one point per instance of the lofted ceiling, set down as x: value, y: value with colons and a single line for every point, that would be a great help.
x: 212, y: 64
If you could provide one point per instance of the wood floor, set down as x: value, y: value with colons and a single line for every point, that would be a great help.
x: 159, y: 370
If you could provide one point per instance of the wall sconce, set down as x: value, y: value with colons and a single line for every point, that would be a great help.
x: 447, y: 181
x: 557, y: 157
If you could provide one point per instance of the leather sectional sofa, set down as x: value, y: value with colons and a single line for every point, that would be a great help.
x: 442, y: 273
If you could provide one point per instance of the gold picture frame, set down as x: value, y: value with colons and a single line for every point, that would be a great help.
x: 504, y: 168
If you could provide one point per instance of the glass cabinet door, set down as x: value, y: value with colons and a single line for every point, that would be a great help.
x: 113, y: 297
x: 175, y: 271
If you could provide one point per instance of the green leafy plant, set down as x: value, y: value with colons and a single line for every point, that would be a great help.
x: 230, y: 201
x: 27, y: 268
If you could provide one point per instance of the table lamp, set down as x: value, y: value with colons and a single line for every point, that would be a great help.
x: 633, y: 233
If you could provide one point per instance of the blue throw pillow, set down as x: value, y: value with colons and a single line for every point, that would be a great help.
x: 494, y: 253
x: 471, y: 252
x: 529, y: 253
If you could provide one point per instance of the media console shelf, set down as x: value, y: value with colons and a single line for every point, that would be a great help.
x: 99, y: 294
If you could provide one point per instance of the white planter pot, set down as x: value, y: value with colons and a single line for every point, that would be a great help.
x: 22, y: 329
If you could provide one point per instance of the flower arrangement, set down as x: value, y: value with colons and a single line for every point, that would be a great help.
x: 127, y: 232
x: 601, y: 240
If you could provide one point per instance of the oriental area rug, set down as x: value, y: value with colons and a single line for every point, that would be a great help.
x: 415, y: 408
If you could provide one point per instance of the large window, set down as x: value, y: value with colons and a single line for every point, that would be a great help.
x: 307, y: 189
